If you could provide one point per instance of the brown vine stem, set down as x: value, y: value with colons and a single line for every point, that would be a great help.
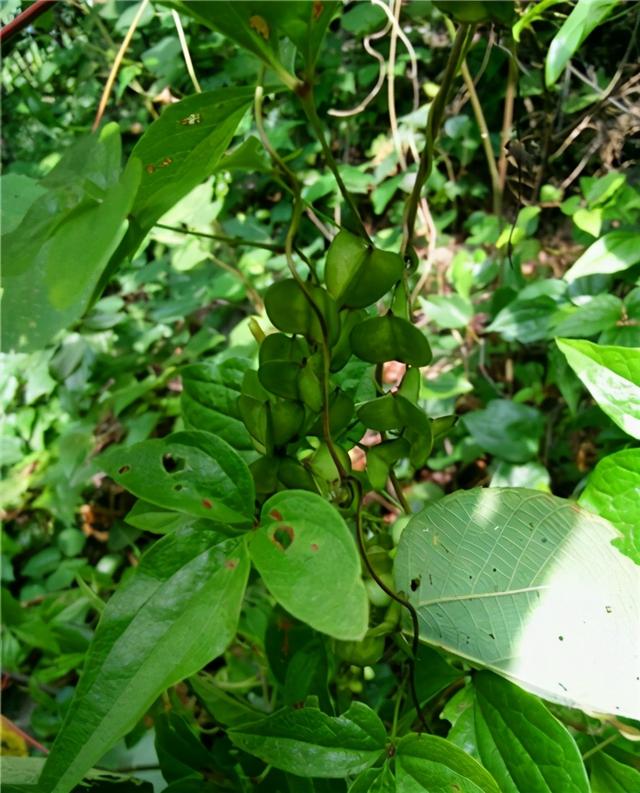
x: 507, y: 117
x: 106, y: 93
x: 23, y: 20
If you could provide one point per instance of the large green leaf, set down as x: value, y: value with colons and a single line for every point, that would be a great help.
x: 307, y: 742
x: 612, y: 491
x: 192, y: 472
x: 18, y: 194
x: 257, y: 26
x: 183, y: 147
x: 585, y: 16
x: 209, y: 400
x: 530, y: 586
x: 612, y: 375
x: 53, y: 259
x: 525, y: 321
x: 506, y: 429
x: 526, y: 749
x: 615, y: 251
x: 308, y: 559
x: 176, y: 613
x: 610, y: 776
x: 428, y: 763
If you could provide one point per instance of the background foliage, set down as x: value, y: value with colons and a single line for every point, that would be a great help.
x: 518, y: 246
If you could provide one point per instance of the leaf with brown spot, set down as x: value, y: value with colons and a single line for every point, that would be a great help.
x: 329, y: 594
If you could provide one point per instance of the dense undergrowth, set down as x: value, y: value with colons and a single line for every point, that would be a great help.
x: 519, y: 278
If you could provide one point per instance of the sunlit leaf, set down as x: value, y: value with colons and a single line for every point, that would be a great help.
x: 613, y: 491
x: 585, y: 16
x: 530, y: 586
x: 612, y: 375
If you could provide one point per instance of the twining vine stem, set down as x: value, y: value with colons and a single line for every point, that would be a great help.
x: 305, y: 94
x: 434, y: 121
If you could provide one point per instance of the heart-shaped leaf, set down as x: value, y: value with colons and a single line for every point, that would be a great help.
x: 356, y: 273
x: 308, y: 560
x: 192, y: 472
x: 530, y: 586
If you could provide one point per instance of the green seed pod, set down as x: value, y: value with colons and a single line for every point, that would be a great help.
x: 294, y: 476
x: 365, y: 653
x: 377, y: 596
x: 390, y: 338
x: 310, y: 383
x: 280, y: 378
x: 279, y: 347
x: 356, y: 273
x: 289, y: 310
x: 382, y: 457
x: 264, y: 472
x: 286, y: 420
x: 410, y: 385
x: 323, y: 466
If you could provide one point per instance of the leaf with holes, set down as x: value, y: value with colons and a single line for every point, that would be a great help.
x: 529, y: 585
x: 428, y: 763
x: 192, y: 472
x: 612, y: 375
x: 308, y: 560
x: 309, y: 743
x: 176, y: 612
x: 525, y: 748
